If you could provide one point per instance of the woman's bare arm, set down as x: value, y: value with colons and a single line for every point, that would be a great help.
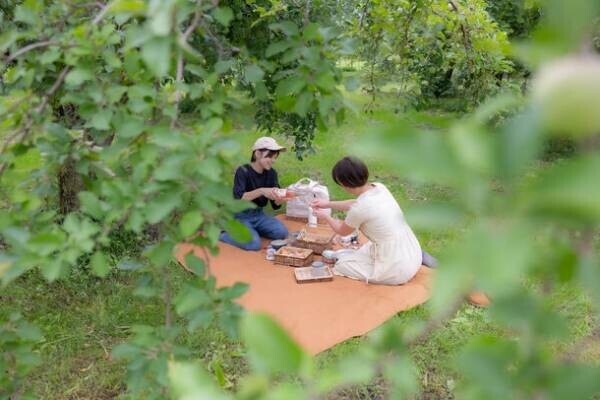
x: 343, y: 205
x: 340, y: 227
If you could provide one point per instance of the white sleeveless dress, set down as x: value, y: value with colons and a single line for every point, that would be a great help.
x: 393, y: 254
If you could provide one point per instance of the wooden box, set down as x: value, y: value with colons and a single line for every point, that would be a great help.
x: 293, y: 256
x: 310, y: 274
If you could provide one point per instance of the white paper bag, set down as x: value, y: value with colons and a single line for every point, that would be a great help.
x: 306, y: 190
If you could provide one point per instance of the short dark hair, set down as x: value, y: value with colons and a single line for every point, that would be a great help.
x: 271, y: 153
x: 350, y: 172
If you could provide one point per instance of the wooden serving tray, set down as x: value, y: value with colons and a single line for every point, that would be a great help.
x: 310, y: 274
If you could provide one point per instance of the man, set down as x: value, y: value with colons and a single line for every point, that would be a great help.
x: 258, y: 182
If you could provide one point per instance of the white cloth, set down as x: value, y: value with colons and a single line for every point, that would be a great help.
x: 393, y: 254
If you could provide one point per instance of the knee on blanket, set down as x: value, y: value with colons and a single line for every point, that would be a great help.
x: 253, y: 245
x: 280, y: 233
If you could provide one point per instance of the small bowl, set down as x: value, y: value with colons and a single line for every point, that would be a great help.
x: 277, y: 244
x: 318, y: 264
x: 328, y: 254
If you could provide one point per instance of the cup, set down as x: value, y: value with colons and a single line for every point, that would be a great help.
x: 328, y: 256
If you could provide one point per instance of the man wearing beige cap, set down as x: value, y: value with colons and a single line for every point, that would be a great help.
x: 257, y: 182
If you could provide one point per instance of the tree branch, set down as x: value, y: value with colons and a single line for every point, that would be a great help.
x: 22, y: 134
x: 167, y: 297
x: 465, y: 32
x: 29, y: 47
x: 180, y: 62
x: 103, y: 11
x: 306, y: 13
x: 362, y: 15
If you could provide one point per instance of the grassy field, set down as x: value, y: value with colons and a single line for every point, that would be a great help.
x: 83, y: 318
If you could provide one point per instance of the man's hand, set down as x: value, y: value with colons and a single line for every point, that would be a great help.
x: 279, y: 195
x: 269, y: 193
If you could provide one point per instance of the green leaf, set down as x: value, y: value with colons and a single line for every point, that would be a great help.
x: 191, y: 382
x: 403, y: 375
x: 161, y: 18
x: 191, y: 298
x: 529, y: 315
x: 233, y: 292
x: 211, y: 168
x: 190, y: 222
x: 520, y: 142
x: 28, y: 332
x: 130, y: 127
x: 99, y: 264
x: 51, y: 55
x: 277, y: 47
x: 156, y: 54
x: 270, y: 349
x: 578, y: 381
x: 238, y: 231
x: 290, y: 86
x: 171, y: 167
x: 161, y: 253
x: 28, y: 12
x: 223, y: 14
x: 356, y: 370
x: 159, y: 208
x: 90, y: 204
x: 287, y: 27
x: 77, y: 76
x: 195, y: 264
x: 199, y: 319
x: 486, y: 363
x: 311, y: 32
x: 137, y: 7
x: 53, y: 269
x: 253, y: 73
x: 433, y: 216
x: 223, y: 66
x: 46, y: 243
x: 212, y: 232
x: 303, y: 103
x: 101, y: 119
x: 569, y: 189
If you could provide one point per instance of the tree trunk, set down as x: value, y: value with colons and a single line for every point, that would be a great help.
x: 69, y: 185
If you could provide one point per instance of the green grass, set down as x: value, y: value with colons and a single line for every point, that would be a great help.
x: 83, y: 318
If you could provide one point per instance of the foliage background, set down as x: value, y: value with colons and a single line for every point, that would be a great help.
x: 121, y: 124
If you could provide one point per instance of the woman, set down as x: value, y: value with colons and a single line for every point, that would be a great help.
x: 257, y: 182
x: 393, y: 254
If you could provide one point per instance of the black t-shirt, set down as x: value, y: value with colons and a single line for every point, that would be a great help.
x: 247, y: 179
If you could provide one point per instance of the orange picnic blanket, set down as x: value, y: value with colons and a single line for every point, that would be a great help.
x: 317, y: 315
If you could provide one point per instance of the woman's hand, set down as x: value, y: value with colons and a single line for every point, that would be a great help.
x: 319, y: 204
x: 321, y: 213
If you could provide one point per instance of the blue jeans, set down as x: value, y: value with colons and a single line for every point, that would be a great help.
x: 259, y: 224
